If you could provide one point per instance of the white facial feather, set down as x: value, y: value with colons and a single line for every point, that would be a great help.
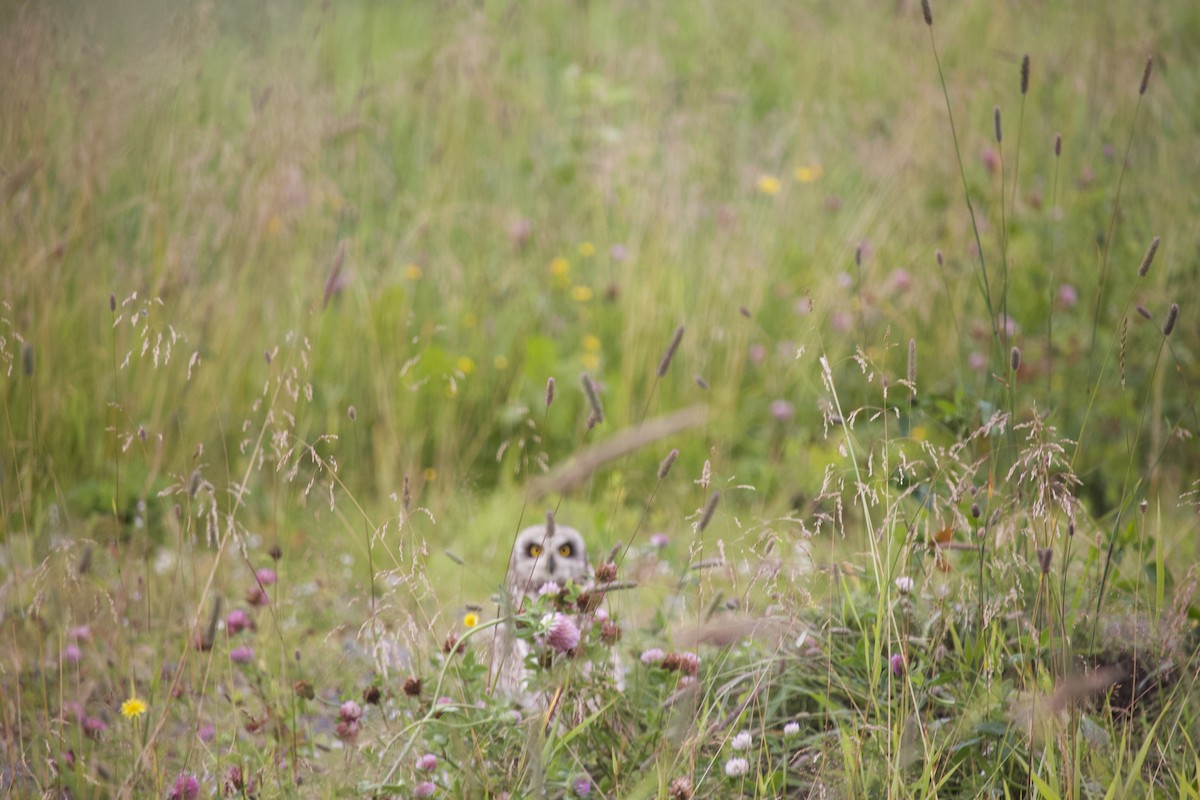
x: 538, y: 558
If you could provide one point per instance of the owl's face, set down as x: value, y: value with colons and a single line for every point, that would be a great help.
x: 539, y: 558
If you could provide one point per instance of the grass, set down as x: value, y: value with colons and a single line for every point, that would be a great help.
x: 285, y: 286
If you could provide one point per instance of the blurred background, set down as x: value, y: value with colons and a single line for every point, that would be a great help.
x: 226, y: 225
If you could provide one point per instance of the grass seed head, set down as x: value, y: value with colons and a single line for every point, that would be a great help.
x: 1172, y: 317
x: 912, y: 365
x: 1025, y: 74
x: 996, y: 122
x: 665, y: 363
x: 1146, y: 75
x: 593, y: 398
x: 549, y: 391
x: 709, y: 510
x: 1057, y: 145
x: 927, y: 12
x: 1044, y: 555
x: 1148, y: 259
x: 664, y: 468
x: 1014, y: 359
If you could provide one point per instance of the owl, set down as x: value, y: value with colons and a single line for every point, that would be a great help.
x: 541, y: 556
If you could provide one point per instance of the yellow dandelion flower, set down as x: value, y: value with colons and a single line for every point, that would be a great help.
x: 591, y: 343
x: 470, y: 619
x: 465, y: 364
x: 808, y: 174
x: 581, y: 294
x: 413, y: 272
x: 133, y: 707
x: 560, y: 266
x: 430, y: 474
x: 769, y: 184
x: 591, y: 362
x: 587, y: 249
x: 500, y: 362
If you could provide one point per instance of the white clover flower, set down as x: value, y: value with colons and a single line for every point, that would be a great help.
x: 736, y: 767
x: 742, y: 741
x: 791, y: 729
x: 904, y: 584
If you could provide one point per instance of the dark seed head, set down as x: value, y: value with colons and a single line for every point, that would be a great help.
x: 412, y: 687
x: 1014, y: 359
x: 549, y: 524
x: 1057, y: 145
x: 112, y: 302
x: 27, y: 359
x: 665, y: 363
x: 703, y: 384
x: 665, y: 467
x: 709, y: 510
x: 1172, y: 317
x: 975, y: 511
x: 1148, y: 259
x: 1141, y: 309
x: 352, y: 413
x: 593, y: 397
x: 996, y: 121
x: 1025, y: 74
x: 549, y: 391
x: 1146, y: 74
x: 1044, y: 555
x: 928, y: 12
x: 941, y: 260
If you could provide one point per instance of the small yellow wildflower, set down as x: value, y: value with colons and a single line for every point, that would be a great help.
x: 560, y: 266
x: 465, y: 364
x: 500, y: 362
x: 769, y: 184
x: 413, y: 272
x: 470, y: 319
x: 808, y: 174
x: 591, y: 362
x: 430, y: 474
x: 133, y: 707
x: 581, y: 294
x: 591, y: 343
x: 587, y: 249
x: 470, y: 619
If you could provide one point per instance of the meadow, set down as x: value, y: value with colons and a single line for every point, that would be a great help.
x: 857, y: 339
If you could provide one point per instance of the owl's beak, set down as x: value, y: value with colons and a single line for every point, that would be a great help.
x: 550, y: 565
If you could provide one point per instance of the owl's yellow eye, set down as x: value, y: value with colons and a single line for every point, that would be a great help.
x: 565, y: 551
x: 535, y: 550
